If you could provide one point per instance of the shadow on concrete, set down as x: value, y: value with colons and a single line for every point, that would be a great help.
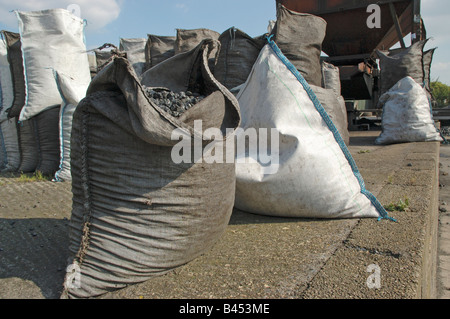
x: 35, y: 250
x: 243, y: 218
x: 363, y: 140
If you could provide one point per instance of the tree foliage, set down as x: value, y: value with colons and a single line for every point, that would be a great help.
x: 441, y: 93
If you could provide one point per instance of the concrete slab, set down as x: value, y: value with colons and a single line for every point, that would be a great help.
x: 258, y: 257
x: 443, y: 278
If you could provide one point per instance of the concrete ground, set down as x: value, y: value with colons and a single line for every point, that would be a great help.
x: 443, y: 285
x: 261, y: 257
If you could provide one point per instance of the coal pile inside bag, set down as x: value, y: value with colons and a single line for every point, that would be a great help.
x: 174, y: 103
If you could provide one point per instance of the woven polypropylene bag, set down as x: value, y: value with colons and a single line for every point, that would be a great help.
x: 396, y: 66
x: 10, y: 145
x: 159, y: 49
x: 135, y: 49
x: 51, y: 40
x: 6, y: 84
x: 316, y: 175
x: 300, y: 37
x: 238, y: 53
x: 406, y: 115
x: 136, y: 212
x: 14, y: 49
x: 72, y: 91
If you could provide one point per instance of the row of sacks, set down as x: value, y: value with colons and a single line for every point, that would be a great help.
x: 299, y: 35
x: 232, y: 61
x: 138, y: 212
x: 34, y: 111
x: 406, y: 95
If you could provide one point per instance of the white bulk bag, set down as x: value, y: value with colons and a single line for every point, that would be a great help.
x: 51, y: 40
x: 72, y: 92
x: 316, y: 176
x: 407, y: 115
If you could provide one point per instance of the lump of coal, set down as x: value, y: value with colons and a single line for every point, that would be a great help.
x: 175, y: 103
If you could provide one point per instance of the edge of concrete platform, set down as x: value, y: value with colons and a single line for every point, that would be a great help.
x: 260, y: 257
x: 406, y: 253
x: 430, y: 256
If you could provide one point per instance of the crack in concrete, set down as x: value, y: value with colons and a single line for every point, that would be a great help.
x: 373, y: 251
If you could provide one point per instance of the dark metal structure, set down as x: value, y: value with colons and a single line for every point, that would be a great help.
x: 350, y: 43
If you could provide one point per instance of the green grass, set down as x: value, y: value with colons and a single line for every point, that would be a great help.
x: 401, y: 206
x: 30, y: 178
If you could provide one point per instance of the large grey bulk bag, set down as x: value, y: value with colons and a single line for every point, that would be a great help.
x: 427, y: 61
x: 28, y: 146
x: 14, y: 49
x: 9, y: 145
x: 3, y: 154
x: 186, y: 40
x: 159, y: 49
x: 47, y: 136
x: 407, y: 115
x: 300, y: 37
x: 314, y: 175
x: 92, y: 64
x: 335, y: 107
x: 51, y: 39
x: 39, y: 143
x: 331, y: 78
x: 398, y: 65
x: 72, y: 92
x: 6, y: 84
x: 238, y: 52
x: 104, y: 55
x: 6, y: 98
x: 135, y: 50
x: 136, y: 213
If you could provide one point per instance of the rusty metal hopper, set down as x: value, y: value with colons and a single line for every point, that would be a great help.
x: 347, y: 30
x: 350, y: 43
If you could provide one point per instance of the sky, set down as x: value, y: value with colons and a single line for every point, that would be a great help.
x: 110, y: 20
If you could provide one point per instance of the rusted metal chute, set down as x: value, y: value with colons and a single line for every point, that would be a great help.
x: 350, y: 43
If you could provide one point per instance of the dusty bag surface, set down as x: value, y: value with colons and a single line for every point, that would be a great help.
x: 238, y: 53
x: 102, y: 58
x: 300, y: 37
x: 10, y: 145
x: 136, y: 213
x: 14, y: 49
x: 406, y: 115
x: 92, y: 64
x: 331, y: 78
x: 427, y: 61
x: 135, y: 49
x: 335, y: 107
x: 47, y: 133
x: 28, y: 146
x: 187, y: 40
x: 316, y: 176
x: 51, y: 39
x: 159, y: 49
x: 3, y: 154
x: 6, y: 84
x: 72, y: 92
x: 398, y: 65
